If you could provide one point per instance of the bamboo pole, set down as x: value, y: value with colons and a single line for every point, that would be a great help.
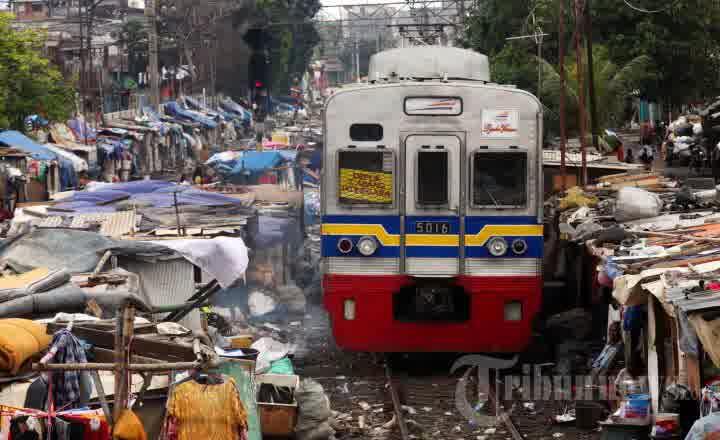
x: 676, y: 236
x: 165, y: 366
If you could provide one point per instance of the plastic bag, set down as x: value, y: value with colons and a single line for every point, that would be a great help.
x: 575, y: 198
x: 270, y: 351
x: 314, y: 412
x: 636, y: 203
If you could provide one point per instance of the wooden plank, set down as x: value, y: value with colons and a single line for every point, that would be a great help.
x: 141, y: 345
x: 104, y: 355
x: 653, y: 363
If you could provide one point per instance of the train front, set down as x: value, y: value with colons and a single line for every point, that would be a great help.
x: 432, y: 227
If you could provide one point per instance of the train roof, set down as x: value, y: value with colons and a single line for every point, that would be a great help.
x: 429, y: 62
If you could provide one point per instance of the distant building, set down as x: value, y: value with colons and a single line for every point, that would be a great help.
x: 30, y: 10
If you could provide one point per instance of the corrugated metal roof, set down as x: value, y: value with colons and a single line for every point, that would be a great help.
x: 115, y: 224
x: 165, y: 283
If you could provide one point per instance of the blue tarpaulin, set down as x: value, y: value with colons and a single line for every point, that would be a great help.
x: 174, y: 109
x: 15, y: 139
x: 157, y: 193
x: 23, y: 143
x: 256, y: 161
x: 233, y: 107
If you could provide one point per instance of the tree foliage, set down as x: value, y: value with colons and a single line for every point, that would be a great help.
x: 671, y: 56
x: 29, y: 83
x: 292, y: 38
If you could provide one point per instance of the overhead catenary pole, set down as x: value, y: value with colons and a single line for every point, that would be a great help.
x: 581, y: 88
x: 591, y: 77
x: 561, y: 68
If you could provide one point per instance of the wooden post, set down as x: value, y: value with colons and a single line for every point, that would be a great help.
x: 125, y: 326
x: 579, y: 15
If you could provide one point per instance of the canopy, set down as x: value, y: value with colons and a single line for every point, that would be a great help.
x: 174, y: 109
x: 18, y: 140
x: 258, y: 161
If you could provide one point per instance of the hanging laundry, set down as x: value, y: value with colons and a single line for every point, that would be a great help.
x: 205, y: 411
x: 66, y: 385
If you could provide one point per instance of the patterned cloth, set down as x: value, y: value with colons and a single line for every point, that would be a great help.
x: 66, y: 384
x: 200, y: 411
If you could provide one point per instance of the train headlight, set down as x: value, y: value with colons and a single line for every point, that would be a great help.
x: 345, y: 245
x: 497, y: 246
x: 519, y: 247
x: 349, y: 309
x: 367, y: 246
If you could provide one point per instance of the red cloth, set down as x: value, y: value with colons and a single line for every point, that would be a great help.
x: 268, y: 178
x: 101, y: 434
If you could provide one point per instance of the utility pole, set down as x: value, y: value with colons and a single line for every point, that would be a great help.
x: 591, y: 76
x: 151, y: 10
x: 561, y: 68
x: 581, y: 87
x: 357, y: 60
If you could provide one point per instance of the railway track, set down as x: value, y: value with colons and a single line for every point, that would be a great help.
x: 407, y: 395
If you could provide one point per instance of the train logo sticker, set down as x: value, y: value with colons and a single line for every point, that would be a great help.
x: 500, y: 123
x: 365, y: 187
x: 433, y: 106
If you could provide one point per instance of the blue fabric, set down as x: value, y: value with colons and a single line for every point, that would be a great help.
x: 612, y: 269
x: 233, y: 107
x: 316, y: 160
x: 256, y: 161
x: 158, y: 193
x: 23, y: 143
x: 633, y: 318
x: 174, y: 109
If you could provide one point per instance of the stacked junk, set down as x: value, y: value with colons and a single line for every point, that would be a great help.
x: 694, y: 140
x: 121, y: 303
x: 652, y: 247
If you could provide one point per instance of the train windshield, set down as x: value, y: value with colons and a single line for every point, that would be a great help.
x: 366, y: 177
x: 432, y: 177
x: 499, y: 179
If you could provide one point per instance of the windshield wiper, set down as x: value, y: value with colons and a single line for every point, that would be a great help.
x: 490, y: 194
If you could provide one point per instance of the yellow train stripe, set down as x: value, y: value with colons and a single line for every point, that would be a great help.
x: 378, y: 231
x: 432, y: 240
x: 479, y: 239
x: 489, y: 231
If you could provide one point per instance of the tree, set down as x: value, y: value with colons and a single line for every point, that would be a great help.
x: 614, y: 84
x: 134, y: 38
x: 29, y: 83
x: 293, y: 38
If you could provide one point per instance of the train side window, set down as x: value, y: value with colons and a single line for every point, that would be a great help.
x: 432, y: 177
x: 366, y: 178
x: 499, y: 179
x: 366, y: 132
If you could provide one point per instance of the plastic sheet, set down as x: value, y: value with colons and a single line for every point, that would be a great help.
x: 636, y: 203
x: 74, y: 251
x: 688, y: 340
x: 314, y: 415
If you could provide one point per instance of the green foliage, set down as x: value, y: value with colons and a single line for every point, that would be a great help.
x: 293, y: 38
x: 670, y: 56
x: 29, y: 83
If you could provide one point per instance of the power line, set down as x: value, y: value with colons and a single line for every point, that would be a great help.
x: 648, y: 11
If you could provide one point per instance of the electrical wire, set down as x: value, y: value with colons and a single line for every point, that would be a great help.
x: 648, y: 11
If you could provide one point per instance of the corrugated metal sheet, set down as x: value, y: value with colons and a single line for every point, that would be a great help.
x: 115, y: 224
x: 119, y: 224
x: 51, y: 222
x: 166, y: 282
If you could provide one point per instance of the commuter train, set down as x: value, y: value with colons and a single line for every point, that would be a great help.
x: 432, y: 235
